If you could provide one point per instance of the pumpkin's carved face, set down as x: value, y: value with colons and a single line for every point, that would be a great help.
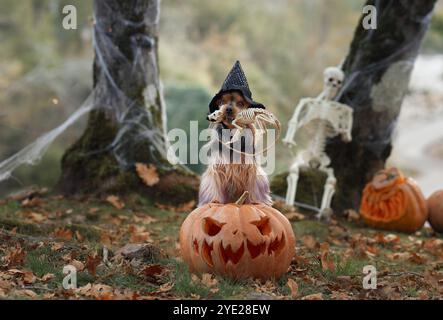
x: 392, y: 201
x: 239, y: 241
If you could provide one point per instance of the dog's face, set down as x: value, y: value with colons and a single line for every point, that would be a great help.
x: 230, y: 104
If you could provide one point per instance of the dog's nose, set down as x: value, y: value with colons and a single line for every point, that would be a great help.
x: 229, y: 110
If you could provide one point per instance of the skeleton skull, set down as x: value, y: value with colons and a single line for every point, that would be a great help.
x: 333, y: 80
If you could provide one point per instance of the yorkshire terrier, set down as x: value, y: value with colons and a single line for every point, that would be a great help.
x: 225, y: 180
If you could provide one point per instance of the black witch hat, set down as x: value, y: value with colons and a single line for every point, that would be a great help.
x: 235, y: 81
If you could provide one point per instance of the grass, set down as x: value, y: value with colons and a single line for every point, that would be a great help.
x: 92, y: 218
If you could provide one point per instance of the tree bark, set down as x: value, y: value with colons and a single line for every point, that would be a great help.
x: 128, y: 124
x: 378, y: 69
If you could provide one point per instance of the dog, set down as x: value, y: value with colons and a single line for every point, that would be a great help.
x: 225, y: 180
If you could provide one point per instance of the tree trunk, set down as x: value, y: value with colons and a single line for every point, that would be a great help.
x: 127, y: 125
x: 378, y: 69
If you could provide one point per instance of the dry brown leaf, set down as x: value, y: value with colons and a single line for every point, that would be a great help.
x: 295, y: 216
x: 30, y: 203
x: 145, y: 219
x: 140, y: 237
x: 26, y: 292
x: 79, y: 236
x: 62, y: 233
x: 208, y: 280
x: 92, y: 262
x: 36, y: 217
x: 105, y: 238
x: 148, y: 174
x: 138, y: 234
x: 153, y: 270
x: 57, y: 246
x: 326, y: 262
x: 78, y: 265
x: 29, y: 277
x: 47, y: 277
x: 309, y: 242
x: 48, y: 296
x: 166, y: 287
x: 14, y: 257
x: 352, y: 215
x: 315, y: 296
x: 399, y: 256
x: 293, y: 286
x: 186, y: 207
x: 116, y: 202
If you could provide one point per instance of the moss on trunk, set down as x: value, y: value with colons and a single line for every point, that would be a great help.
x: 127, y: 125
x: 309, y: 188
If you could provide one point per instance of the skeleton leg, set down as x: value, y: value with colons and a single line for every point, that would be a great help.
x: 328, y: 193
x: 292, y: 180
x: 238, y: 132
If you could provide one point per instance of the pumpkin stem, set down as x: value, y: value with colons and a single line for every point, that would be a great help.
x: 243, y: 198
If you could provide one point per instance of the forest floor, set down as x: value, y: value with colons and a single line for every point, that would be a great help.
x: 40, y: 234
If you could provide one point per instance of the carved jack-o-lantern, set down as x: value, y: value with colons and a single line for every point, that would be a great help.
x: 240, y: 241
x: 392, y: 201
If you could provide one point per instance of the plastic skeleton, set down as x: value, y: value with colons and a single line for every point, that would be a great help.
x: 316, y: 120
x: 248, y: 118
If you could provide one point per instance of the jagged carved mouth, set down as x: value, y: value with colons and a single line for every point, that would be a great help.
x: 267, y: 246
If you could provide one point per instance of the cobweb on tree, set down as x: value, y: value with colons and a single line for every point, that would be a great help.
x: 137, y: 118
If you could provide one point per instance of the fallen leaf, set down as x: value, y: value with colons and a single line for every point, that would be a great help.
x: 181, y: 208
x: 78, y: 265
x: 166, y: 287
x: 116, y: 202
x: 153, y: 270
x: 148, y: 174
x: 57, y: 246
x: 208, y: 280
x: 26, y: 292
x: 326, y: 262
x: 36, y: 217
x: 293, y: 286
x: 62, y: 233
x: 29, y: 277
x: 352, y: 215
x: 138, y: 234
x: 79, y: 236
x: 48, y: 296
x: 309, y: 241
x: 30, y: 203
x: 14, y: 257
x: 105, y: 238
x: 417, y: 258
x: 315, y: 296
x: 92, y: 262
x: 295, y: 216
x: 145, y: 219
x: 47, y: 277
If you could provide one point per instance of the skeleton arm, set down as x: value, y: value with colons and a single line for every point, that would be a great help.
x: 346, y: 134
x: 293, y: 123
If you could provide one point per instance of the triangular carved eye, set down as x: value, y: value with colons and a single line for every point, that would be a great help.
x: 263, y: 226
x: 212, y: 227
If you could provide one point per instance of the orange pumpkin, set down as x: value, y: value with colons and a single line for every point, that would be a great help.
x: 435, y: 205
x: 237, y: 240
x: 392, y: 201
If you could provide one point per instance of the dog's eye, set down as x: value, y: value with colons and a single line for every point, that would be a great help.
x: 240, y: 104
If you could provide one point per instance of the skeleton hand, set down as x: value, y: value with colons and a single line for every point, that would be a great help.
x: 346, y: 137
